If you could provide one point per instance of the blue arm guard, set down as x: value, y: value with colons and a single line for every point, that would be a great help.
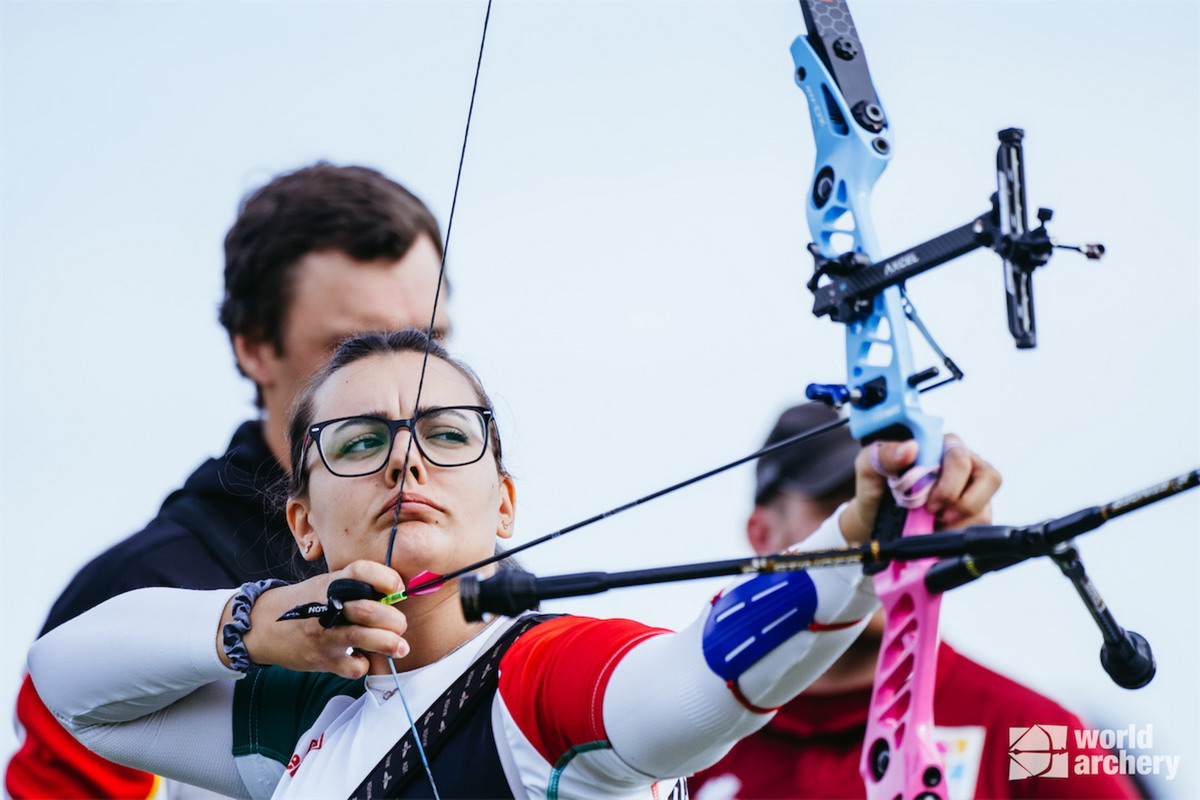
x: 749, y: 621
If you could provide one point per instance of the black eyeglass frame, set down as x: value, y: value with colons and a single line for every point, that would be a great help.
x: 395, y: 426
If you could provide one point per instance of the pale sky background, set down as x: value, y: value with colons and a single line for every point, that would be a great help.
x: 629, y: 264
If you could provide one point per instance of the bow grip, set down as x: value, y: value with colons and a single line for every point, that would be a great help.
x: 899, y: 758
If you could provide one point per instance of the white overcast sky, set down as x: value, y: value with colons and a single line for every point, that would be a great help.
x: 629, y: 262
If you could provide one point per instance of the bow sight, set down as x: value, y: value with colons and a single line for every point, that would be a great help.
x: 852, y: 282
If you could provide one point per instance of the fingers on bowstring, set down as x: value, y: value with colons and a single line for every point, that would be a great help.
x: 347, y: 650
x: 382, y: 577
x: 376, y: 628
x: 376, y: 616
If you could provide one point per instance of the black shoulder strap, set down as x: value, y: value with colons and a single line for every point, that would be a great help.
x: 402, y: 765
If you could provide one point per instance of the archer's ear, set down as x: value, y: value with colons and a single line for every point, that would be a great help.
x: 508, y: 507
x: 256, y: 359
x: 302, y: 529
x: 758, y: 532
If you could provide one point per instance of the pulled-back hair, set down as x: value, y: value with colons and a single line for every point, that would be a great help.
x: 356, y: 349
x: 354, y: 210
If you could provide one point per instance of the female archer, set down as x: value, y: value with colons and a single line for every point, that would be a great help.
x: 212, y: 688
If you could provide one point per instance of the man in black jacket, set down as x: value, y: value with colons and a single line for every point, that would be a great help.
x: 314, y: 256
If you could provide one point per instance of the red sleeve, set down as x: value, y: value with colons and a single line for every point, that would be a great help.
x: 553, y: 678
x: 52, y: 764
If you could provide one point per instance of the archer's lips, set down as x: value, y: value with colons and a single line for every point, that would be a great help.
x: 411, y: 502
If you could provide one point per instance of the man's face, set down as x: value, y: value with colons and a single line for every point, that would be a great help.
x: 789, y: 518
x: 334, y: 297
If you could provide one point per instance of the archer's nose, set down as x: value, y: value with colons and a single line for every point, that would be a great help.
x: 406, y: 455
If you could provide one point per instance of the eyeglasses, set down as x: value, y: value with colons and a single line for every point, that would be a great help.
x: 453, y: 436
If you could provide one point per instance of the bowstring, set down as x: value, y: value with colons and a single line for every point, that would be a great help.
x: 421, y: 384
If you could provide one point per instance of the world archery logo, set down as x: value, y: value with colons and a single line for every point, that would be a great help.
x: 1039, y: 751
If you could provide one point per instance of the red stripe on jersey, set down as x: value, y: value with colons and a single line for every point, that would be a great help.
x: 52, y: 764
x: 553, y: 678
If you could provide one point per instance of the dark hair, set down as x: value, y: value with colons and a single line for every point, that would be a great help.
x: 830, y: 501
x: 355, y: 210
x: 356, y: 349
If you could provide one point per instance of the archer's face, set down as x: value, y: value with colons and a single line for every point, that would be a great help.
x: 449, y: 516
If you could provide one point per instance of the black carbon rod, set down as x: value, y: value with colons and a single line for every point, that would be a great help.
x: 510, y: 592
x: 965, y: 554
x: 954, y: 572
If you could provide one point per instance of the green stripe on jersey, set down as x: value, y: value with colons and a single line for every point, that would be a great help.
x: 273, y: 707
x: 566, y: 758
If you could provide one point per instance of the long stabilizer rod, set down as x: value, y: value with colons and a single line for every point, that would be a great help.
x: 966, y: 554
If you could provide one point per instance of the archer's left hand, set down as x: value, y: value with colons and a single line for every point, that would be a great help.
x: 962, y: 495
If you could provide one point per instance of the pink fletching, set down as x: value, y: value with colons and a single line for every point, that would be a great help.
x: 418, y: 582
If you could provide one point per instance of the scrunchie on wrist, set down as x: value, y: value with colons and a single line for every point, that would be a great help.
x: 232, y: 633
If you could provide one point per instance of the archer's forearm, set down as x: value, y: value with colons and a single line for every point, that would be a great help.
x: 673, y: 705
x: 131, y: 655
